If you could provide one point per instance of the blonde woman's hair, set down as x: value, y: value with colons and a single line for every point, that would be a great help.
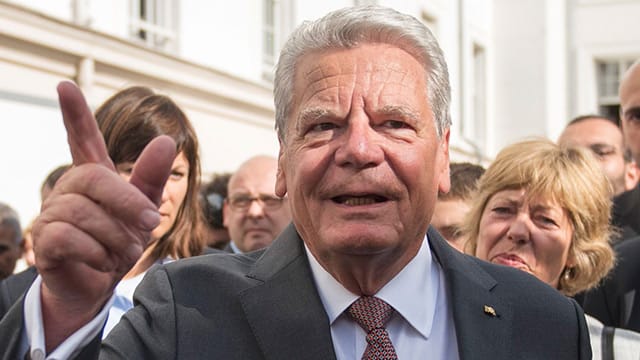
x: 572, y: 178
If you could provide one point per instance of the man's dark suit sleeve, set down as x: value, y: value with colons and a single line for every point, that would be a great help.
x: 148, y: 331
x: 148, y: 339
x: 13, y: 287
x: 11, y: 328
x: 4, y: 299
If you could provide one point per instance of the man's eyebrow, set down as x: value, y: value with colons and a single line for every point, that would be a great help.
x: 601, y: 146
x: 398, y: 111
x: 311, y: 114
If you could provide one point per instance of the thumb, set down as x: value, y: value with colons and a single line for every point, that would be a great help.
x: 153, y: 167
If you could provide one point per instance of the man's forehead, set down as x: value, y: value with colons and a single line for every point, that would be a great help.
x: 316, y: 66
x: 591, y: 131
x: 630, y: 85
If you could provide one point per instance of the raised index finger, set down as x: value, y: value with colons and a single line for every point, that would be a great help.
x: 85, y: 140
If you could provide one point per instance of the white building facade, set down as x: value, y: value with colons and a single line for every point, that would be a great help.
x: 518, y: 68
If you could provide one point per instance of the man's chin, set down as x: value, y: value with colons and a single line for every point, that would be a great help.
x: 258, y: 242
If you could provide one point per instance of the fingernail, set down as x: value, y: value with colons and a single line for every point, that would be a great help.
x: 149, y: 219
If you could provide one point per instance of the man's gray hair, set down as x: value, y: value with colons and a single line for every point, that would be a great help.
x: 10, y: 219
x: 351, y: 27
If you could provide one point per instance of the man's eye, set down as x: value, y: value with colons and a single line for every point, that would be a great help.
x: 326, y: 126
x: 396, y: 124
x: 633, y: 115
x: 241, y: 202
x: 602, y: 150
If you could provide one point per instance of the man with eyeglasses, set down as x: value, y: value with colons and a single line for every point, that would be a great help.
x: 252, y: 212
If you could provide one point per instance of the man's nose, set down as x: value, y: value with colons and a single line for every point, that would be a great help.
x: 256, y: 208
x: 360, y: 144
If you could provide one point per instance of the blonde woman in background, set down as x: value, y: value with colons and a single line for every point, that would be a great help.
x: 545, y: 209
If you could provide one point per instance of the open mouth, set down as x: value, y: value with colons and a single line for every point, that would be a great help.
x: 351, y: 200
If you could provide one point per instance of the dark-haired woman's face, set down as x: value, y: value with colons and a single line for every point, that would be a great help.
x: 173, y: 195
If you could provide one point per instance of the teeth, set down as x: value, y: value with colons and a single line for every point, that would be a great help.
x: 358, y: 201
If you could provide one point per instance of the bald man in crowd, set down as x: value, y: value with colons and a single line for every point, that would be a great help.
x: 617, y: 301
x: 252, y: 212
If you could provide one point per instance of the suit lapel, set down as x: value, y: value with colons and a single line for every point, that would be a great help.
x: 285, y: 311
x: 482, y: 321
x: 289, y: 321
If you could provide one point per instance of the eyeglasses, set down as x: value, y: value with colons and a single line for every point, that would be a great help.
x: 243, y: 202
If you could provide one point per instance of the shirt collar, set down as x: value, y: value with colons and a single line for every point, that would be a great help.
x: 235, y: 248
x: 412, y: 292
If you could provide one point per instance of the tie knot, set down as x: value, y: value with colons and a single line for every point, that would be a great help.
x: 370, y: 312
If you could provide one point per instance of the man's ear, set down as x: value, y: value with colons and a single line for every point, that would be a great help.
x: 281, y: 181
x: 444, y: 181
x: 631, y: 175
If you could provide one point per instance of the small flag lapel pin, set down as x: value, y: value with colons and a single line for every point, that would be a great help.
x: 490, y: 311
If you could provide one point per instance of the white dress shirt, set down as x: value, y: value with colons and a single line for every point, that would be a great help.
x: 422, y: 324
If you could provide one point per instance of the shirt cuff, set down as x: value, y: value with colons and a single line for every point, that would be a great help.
x: 35, y: 329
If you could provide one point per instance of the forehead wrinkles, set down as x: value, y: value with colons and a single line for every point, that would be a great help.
x: 371, y: 80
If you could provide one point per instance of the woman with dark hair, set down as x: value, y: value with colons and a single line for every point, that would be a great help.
x: 129, y: 120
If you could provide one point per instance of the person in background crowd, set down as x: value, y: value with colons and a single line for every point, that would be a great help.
x: 362, y: 115
x: 27, y: 258
x: 51, y: 179
x: 545, y: 209
x: 25, y: 272
x: 452, y: 206
x: 605, y: 140
x: 252, y: 212
x: 212, y: 196
x: 617, y: 301
x: 10, y: 240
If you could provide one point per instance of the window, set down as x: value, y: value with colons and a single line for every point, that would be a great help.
x: 609, y: 73
x: 268, y: 38
x: 153, y: 23
x: 479, y: 96
x: 278, y: 20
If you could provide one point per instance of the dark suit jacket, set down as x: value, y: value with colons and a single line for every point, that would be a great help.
x: 264, y: 305
x: 13, y: 287
x: 626, y: 214
x: 616, y: 302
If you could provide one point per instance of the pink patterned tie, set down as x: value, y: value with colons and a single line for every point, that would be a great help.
x: 371, y: 314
